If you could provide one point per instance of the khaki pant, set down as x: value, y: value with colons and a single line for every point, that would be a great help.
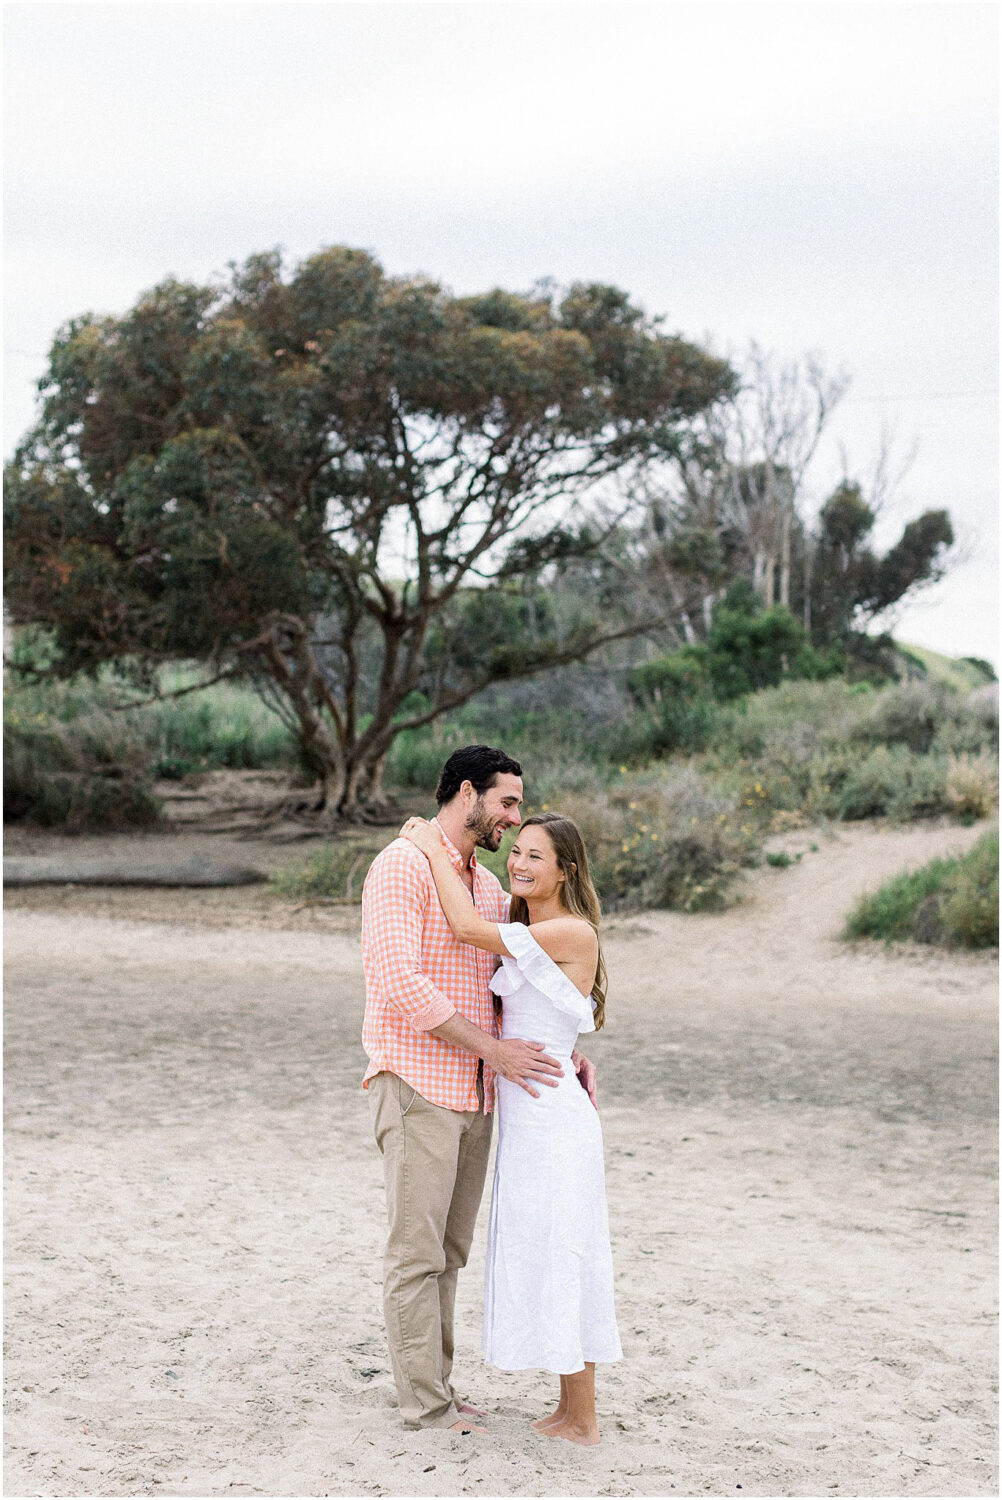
x: 434, y: 1166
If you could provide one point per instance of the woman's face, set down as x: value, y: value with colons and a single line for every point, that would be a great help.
x: 533, y: 870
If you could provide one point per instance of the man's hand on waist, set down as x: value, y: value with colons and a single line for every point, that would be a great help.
x: 521, y: 1062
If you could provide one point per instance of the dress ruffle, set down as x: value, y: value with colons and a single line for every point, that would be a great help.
x: 531, y: 963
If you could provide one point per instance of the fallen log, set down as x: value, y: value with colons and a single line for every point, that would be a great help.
x: 33, y: 870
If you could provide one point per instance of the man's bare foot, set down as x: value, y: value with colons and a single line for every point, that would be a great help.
x: 473, y: 1411
x: 466, y: 1427
x: 587, y: 1437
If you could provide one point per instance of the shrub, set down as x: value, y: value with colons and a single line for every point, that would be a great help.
x: 335, y: 872
x: 750, y: 647
x: 226, y: 725
x: 663, y: 842
x: 950, y: 902
x: 885, y: 783
x: 681, y: 673
x: 906, y: 715
x: 971, y: 906
x: 680, y: 723
x: 827, y: 712
x: 89, y: 772
x: 971, y: 786
x: 417, y: 756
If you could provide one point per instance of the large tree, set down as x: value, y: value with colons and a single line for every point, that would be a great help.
x: 333, y: 482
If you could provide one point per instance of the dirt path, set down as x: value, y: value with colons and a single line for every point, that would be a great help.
x: 800, y: 1147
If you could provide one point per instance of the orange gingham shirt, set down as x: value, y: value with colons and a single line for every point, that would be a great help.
x: 417, y: 975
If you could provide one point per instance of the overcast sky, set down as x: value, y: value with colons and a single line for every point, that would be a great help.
x: 813, y: 176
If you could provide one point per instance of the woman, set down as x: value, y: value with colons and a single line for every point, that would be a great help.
x: 548, y: 1295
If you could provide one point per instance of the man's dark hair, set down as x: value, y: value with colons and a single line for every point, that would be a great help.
x: 478, y: 764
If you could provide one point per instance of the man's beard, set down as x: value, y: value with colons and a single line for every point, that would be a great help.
x: 487, y: 834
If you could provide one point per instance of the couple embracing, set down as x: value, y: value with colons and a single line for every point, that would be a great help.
x: 435, y: 923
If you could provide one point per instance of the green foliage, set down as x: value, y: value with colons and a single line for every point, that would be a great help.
x: 750, y: 648
x: 889, y: 781
x: 213, y: 477
x: 682, y: 674
x: 950, y: 902
x: 335, y: 873
x: 70, y: 763
x: 662, y: 841
x: 75, y: 758
x: 972, y: 785
x: 227, y: 725
x: 960, y: 672
x: 681, y: 724
x: 850, y: 585
x: 909, y: 714
x: 984, y: 668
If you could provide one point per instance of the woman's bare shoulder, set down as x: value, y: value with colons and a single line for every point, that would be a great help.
x: 566, y: 937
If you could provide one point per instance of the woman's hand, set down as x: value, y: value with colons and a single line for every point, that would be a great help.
x: 587, y: 1076
x: 424, y: 835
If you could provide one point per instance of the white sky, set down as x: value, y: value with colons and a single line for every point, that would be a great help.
x: 813, y: 176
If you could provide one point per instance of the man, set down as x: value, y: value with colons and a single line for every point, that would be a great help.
x: 431, y: 1035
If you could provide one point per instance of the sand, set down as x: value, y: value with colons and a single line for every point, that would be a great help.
x: 800, y: 1150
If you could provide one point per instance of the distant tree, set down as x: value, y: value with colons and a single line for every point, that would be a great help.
x: 749, y: 647
x: 731, y: 506
x: 734, y: 506
x: 340, y: 485
x: 850, y: 585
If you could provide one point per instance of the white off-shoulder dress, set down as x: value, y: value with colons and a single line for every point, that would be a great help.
x: 548, y: 1292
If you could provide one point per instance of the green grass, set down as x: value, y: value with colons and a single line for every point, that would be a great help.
x: 334, y: 873
x: 948, y: 902
x: 955, y: 671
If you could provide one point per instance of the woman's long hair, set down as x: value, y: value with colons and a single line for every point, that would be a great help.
x: 578, y: 894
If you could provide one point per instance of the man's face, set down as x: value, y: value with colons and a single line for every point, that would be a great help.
x: 490, y: 815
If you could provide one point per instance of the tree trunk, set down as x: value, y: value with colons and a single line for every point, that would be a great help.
x: 758, y: 574
x: 784, y: 557
x: 364, y: 799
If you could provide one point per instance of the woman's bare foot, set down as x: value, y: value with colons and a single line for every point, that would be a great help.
x: 472, y: 1411
x: 587, y: 1437
x: 544, y: 1422
x: 466, y: 1427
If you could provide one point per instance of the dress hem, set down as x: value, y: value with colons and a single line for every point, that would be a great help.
x: 552, y: 1368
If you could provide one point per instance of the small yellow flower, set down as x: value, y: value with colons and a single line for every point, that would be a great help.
x: 626, y: 848
x: 643, y: 828
x: 546, y: 807
x: 633, y: 806
x: 622, y: 770
x: 654, y: 838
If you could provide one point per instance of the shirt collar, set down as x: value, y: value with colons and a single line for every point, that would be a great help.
x: 454, y: 854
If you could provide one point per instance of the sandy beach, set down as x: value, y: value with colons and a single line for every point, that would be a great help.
x: 800, y: 1146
